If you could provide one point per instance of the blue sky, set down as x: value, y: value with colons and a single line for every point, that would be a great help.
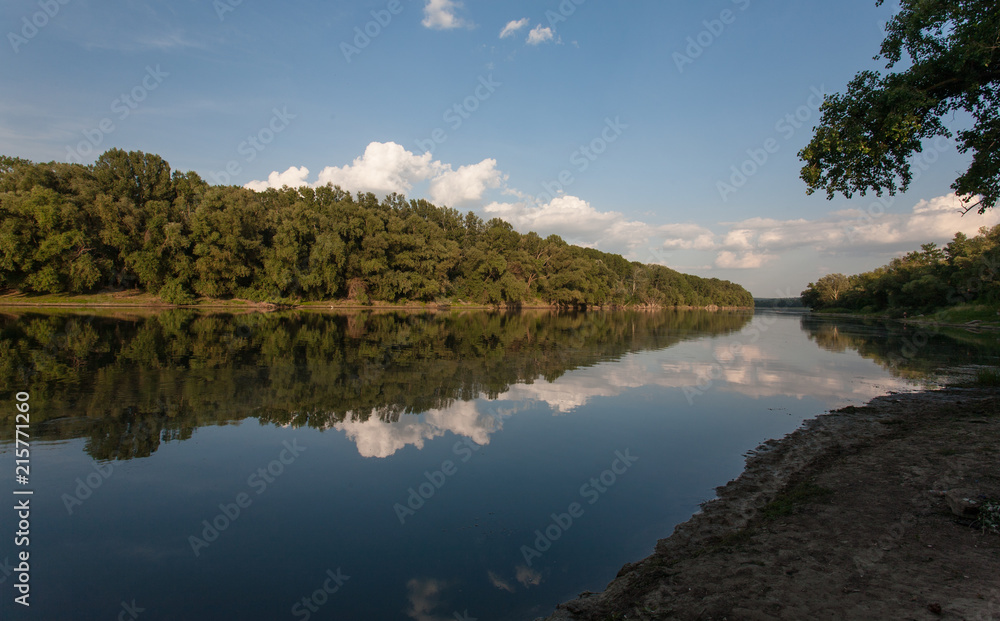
x: 620, y: 125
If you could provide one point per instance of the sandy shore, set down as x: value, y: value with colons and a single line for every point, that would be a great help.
x: 846, y: 518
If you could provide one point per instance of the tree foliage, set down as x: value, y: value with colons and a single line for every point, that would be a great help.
x: 866, y: 136
x: 128, y: 221
x: 966, y: 271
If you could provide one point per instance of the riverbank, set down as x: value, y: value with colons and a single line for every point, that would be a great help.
x: 138, y: 299
x: 849, y: 517
x: 967, y: 316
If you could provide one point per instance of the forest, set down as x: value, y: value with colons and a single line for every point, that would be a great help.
x: 965, y: 272
x: 129, y: 222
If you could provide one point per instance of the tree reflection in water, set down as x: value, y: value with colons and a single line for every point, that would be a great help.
x: 128, y: 383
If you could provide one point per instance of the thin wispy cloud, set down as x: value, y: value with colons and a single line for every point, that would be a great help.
x: 512, y: 27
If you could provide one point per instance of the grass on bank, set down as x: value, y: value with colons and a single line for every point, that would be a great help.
x: 982, y: 314
x: 989, y: 516
x: 987, y: 377
x: 964, y: 313
x: 136, y: 299
x: 789, y: 500
x: 111, y: 298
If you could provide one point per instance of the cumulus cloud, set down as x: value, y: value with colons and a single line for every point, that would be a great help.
x: 387, y: 167
x: 686, y: 237
x: 755, y: 242
x: 936, y: 217
x: 468, y: 183
x: 869, y: 229
x: 739, y: 239
x: 293, y: 178
x: 384, y: 167
x: 743, y: 260
x: 440, y: 15
x: 575, y: 219
x: 540, y: 34
x: 751, y: 243
x: 512, y: 27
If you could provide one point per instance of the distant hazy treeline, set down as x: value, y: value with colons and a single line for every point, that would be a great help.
x: 778, y: 302
x: 127, y: 221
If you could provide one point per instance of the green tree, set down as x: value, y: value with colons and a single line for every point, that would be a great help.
x: 826, y: 291
x: 226, y: 237
x: 866, y: 136
x: 129, y: 222
x: 137, y: 176
x: 48, y: 229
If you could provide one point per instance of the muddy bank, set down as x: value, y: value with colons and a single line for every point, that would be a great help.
x: 846, y: 518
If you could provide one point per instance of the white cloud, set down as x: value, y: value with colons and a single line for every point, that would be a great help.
x: 755, y: 242
x: 468, y: 183
x: 388, y: 167
x: 440, y: 15
x: 293, y: 178
x: 512, y: 27
x: 576, y: 220
x: 687, y: 237
x: 385, y: 167
x: 937, y: 219
x: 739, y: 239
x: 378, y: 438
x: 562, y: 396
x: 743, y: 260
x: 539, y: 35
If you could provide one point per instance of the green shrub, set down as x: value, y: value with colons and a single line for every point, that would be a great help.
x: 989, y: 516
x: 175, y: 293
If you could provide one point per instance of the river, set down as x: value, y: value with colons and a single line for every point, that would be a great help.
x: 439, y: 466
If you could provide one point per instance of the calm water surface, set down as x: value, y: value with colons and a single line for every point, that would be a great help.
x: 394, y: 466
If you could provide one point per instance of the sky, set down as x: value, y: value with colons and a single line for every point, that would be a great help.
x: 664, y: 131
